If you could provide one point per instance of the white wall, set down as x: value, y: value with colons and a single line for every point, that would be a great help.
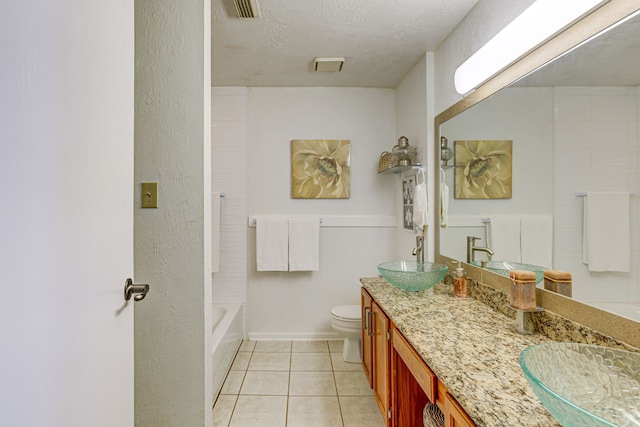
x: 297, y: 305
x: 483, y: 22
x: 414, y: 119
x: 596, y: 133
x: 525, y: 116
x: 174, y: 384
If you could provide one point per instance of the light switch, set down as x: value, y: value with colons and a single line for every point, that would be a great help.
x: 149, y: 195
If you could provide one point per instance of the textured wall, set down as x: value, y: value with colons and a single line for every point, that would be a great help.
x: 172, y: 248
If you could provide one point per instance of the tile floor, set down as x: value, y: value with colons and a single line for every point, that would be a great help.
x: 295, y: 383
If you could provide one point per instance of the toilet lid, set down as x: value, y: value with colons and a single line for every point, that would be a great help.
x: 350, y: 312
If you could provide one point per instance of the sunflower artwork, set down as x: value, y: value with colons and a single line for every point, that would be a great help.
x: 483, y: 169
x: 320, y: 168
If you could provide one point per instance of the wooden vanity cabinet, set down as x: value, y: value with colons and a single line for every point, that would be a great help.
x: 402, y: 382
x: 413, y: 385
x: 367, y: 336
x: 376, y: 333
x: 454, y: 415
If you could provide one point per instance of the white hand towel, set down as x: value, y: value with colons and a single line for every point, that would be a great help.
x: 272, y: 245
x: 536, y: 240
x: 444, y: 201
x: 505, y: 238
x: 215, y: 232
x: 304, y: 243
x: 606, y: 230
x: 420, y: 211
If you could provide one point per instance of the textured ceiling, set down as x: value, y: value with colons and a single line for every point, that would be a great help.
x: 380, y: 39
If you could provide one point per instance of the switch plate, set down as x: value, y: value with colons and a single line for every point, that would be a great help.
x: 149, y: 195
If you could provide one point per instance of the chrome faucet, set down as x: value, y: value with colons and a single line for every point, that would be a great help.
x: 418, y: 251
x: 472, y: 249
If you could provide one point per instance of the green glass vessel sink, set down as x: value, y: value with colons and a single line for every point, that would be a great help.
x: 503, y: 268
x: 583, y: 384
x: 413, y: 275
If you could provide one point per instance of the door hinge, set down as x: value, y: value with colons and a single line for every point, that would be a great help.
x: 388, y: 335
x: 389, y: 414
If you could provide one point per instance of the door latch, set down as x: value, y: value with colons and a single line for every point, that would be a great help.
x: 130, y: 289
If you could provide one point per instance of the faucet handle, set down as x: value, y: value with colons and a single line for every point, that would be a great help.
x: 472, y: 239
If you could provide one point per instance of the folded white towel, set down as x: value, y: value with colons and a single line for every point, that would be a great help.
x: 536, y: 240
x: 444, y: 200
x: 505, y: 238
x: 304, y: 243
x: 215, y: 232
x: 272, y: 245
x: 420, y: 210
x: 606, y: 230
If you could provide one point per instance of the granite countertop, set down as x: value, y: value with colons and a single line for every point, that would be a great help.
x: 470, y: 347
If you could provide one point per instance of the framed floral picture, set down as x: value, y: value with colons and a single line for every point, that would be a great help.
x: 320, y: 168
x: 483, y: 169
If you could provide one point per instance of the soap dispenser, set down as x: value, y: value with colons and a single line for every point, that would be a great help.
x: 459, y: 282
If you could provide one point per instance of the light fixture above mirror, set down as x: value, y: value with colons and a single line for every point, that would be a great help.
x: 538, y: 23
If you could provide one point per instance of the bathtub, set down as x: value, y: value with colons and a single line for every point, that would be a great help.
x: 226, y: 338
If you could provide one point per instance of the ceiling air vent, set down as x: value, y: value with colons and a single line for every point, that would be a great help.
x: 247, y: 8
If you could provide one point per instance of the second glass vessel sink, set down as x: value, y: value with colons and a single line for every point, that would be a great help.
x: 585, y: 385
x: 503, y: 268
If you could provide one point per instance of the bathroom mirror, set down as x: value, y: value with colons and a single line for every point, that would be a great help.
x: 582, y: 108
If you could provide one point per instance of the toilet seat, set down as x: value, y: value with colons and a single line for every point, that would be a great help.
x: 346, y: 312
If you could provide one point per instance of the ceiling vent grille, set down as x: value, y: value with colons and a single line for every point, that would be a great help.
x: 247, y: 8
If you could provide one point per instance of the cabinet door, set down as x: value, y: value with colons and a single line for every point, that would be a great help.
x: 367, y: 336
x: 381, y: 359
x: 455, y: 416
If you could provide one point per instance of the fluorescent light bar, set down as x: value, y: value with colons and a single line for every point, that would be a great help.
x: 542, y: 20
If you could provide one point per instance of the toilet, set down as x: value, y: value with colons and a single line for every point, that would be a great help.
x: 346, y: 321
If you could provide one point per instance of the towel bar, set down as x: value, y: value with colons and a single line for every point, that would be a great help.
x: 584, y: 193
x: 252, y: 222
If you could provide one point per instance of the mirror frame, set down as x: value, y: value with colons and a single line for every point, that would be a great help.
x: 610, y: 324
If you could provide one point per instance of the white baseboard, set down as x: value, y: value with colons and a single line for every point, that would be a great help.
x: 293, y: 336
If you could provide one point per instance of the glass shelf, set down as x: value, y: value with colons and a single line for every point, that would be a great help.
x: 399, y: 169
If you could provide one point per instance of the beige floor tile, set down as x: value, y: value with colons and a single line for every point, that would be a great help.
x: 273, y: 347
x: 336, y: 346
x: 270, y: 362
x: 360, y: 411
x: 312, y: 384
x: 233, y: 382
x: 247, y: 345
x: 222, y: 410
x: 241, y: 362
x: 314, y: 411
x: 352, y: 384
x: 340, y: 365
x: 310, y: 362
x: 263, y: 411
x: 265, y: 382
x: 310, y: 347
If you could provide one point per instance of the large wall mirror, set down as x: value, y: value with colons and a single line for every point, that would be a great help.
x: 574, y: 124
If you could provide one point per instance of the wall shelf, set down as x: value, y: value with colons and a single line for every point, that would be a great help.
x: 399, y: 169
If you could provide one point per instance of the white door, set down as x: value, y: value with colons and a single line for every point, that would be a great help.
x: 66, y: 212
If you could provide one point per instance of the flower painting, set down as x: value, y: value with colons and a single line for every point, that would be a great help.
x: 320, y: 168
x: 483, y: 169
